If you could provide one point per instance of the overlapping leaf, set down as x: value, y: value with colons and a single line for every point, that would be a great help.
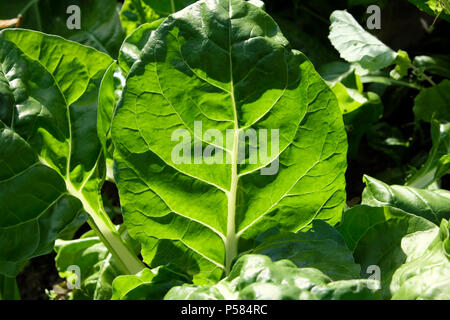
x: 256, y: 277
x: 50, y: 151
x: 433, y: 205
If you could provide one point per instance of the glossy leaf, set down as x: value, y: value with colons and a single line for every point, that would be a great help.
x: 357, y: 45
x: 240, y: 74
x: 148, y: 284
x: 135, y: 13
x: 436, y: 166
x: 55, y: 162
x: 432, y: 205
x: 256, y: 277
x: 100, y: 24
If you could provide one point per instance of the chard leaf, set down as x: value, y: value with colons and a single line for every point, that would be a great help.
x: 256, y: 277
x: 147, y: 284
x: 356, y: 44
x: 224, y: 63
x: 54, y: 161
x: 322, y: 247
x: 432, y: 205
x: 402, y: 65
x: 137, y: 12
x: 134, y: 43
x: 385, y: 237
x: 426, y: 276
x: 433, y: 102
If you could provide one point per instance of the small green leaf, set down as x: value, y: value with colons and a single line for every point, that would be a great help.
x: 148, y: 284
x: 322, y: 247
x: 425, y: 277
x: 402, y: 65
x: 385, y: 237
x: 239, y: 75
x: 437, y: 163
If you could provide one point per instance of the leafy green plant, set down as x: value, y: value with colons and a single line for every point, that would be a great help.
x: 219, y: 224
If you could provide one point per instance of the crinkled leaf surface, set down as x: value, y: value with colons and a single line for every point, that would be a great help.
x: 433, y: 205
x: 322, y: 247
x: 50, y: 151
x: 385, y: 237
x: 226, y: 64
x: 95, y: 262
x: 256, y: 277
x: 425, y: 276
x: 356, y: 44
x: 137, y: 12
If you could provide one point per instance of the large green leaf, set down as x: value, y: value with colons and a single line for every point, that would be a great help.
x: 432, y: 205
x: 356, y: 44
x: 100, y: 22
x: 137, y: 12
x: 256, y: 277
x: 385, y: 237
x: 322, y: 247
x: 226, y: 64
x: 53, y: 161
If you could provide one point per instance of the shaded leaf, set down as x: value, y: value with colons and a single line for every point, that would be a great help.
x: 256, y: 277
